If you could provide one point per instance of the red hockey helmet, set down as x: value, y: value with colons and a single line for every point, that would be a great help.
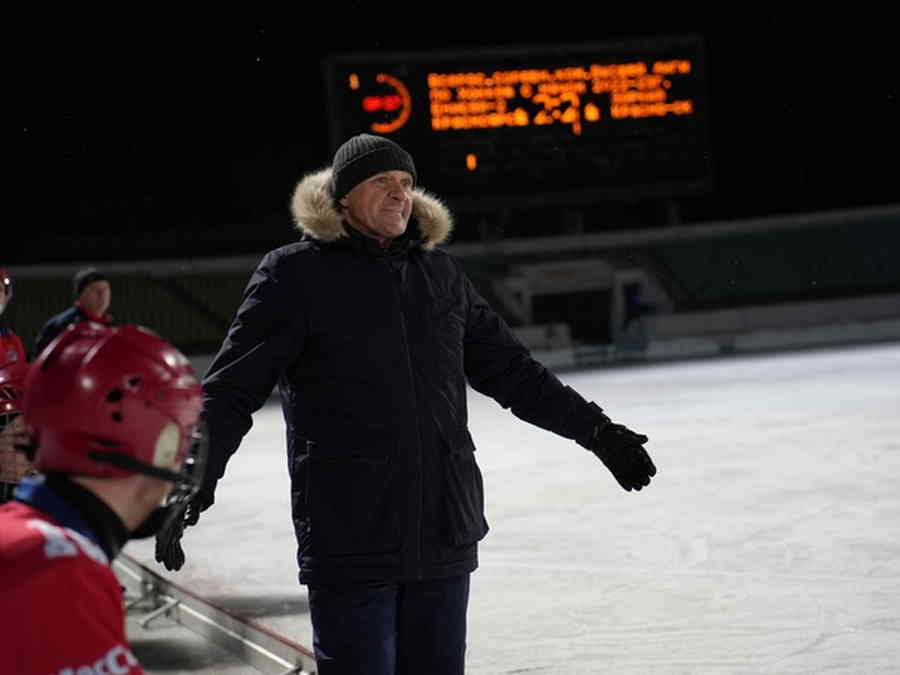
x: 6, y: 285
x: 113, y: 401
x: 6, y: 282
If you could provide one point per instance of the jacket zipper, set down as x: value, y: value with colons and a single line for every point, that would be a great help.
x: 395, y: 264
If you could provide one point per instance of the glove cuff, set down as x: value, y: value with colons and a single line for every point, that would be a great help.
x: 596, y: 421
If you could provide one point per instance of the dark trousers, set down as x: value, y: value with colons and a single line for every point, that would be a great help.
x: 411, y: 628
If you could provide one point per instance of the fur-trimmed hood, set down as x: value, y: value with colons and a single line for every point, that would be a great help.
x: 312, y: 207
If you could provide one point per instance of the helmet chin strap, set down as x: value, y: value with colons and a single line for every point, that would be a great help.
x: 161, y: 516
x: 131, y: 464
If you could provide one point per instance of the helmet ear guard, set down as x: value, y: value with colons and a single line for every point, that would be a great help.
x: 113, y: 401
x: 165, y: 450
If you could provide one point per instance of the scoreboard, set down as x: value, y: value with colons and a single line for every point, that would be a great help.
x: 562, y: 123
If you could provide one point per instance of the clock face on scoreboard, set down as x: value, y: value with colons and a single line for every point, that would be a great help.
x: 616, y: 120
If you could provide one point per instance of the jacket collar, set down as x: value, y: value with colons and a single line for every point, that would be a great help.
x: 399, y: 245
x: 315, y: 216
x: 77, y: 508
x: 106, y: 318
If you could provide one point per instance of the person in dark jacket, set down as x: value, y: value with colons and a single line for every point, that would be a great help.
x: 93, y: 295
x: 372, y: 333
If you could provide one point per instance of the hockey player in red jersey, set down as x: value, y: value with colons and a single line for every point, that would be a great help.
x: 113, y: 415
x: 14, y: 465
x: 13, y: 366
x: 11, y: 348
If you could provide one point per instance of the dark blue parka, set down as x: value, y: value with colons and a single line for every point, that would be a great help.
x: 58, y: 323
x: 371, y: 351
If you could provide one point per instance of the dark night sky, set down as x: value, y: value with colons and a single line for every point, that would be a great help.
x: 151, y: 124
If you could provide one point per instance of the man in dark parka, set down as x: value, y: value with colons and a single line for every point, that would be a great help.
x: 93, y: 295
x: 371, y: 333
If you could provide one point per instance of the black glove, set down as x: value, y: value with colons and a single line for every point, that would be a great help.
x: 168, y: 539
x: 622, y: 451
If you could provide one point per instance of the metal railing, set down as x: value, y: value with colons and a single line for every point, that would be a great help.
x: 250, y: 642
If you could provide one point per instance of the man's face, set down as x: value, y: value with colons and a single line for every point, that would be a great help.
x: 380, y: 206
x: 95, y: 297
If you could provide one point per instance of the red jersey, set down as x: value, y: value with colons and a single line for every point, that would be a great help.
x: 62, y: 610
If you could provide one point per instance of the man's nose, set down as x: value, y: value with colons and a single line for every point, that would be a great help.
x: 398, y: 191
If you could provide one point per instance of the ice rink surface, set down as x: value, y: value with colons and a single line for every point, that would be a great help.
x: 769, y: 541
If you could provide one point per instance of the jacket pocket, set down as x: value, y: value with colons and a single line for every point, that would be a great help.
x: 447, y: 321
x: 351, y: 503
x: 463, y: 496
